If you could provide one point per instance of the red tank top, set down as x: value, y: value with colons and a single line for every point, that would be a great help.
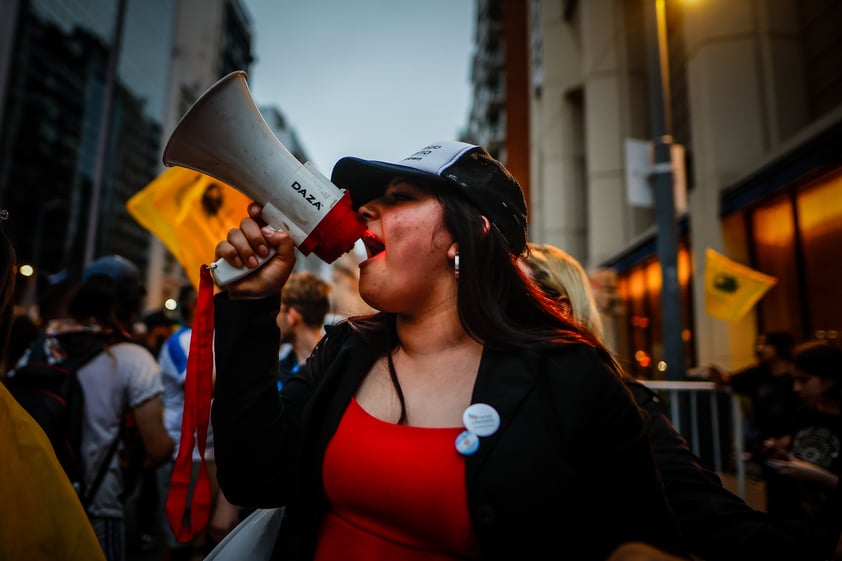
x: 396, y: 492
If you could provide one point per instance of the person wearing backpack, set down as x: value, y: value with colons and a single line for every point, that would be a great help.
x: 121, y: 377
x: 42, y: 518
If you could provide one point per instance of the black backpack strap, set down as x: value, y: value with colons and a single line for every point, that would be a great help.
x: 38, y: 353
x: 90, y: 492
x: 74, y: 363
x: 36, y: 350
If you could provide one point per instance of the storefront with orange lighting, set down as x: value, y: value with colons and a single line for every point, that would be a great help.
x: 785, y: 221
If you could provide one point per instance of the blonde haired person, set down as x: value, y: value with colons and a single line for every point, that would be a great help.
x: 565, y: 280
x: 718, y: 525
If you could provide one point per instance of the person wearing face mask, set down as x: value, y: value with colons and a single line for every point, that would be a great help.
x: 468, y: 418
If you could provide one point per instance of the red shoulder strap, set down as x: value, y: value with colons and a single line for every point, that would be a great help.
x: 198, y: 387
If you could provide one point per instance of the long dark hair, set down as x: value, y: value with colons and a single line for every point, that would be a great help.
x: 498, y: 305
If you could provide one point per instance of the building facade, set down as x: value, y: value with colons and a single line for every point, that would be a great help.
x: 89, y: 92
x: 81, y: 107
x: 212, y: 39
x: 754, y: 93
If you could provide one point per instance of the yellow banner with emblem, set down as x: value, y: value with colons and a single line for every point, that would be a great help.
x: 190, y: 213
x: 732, y: 289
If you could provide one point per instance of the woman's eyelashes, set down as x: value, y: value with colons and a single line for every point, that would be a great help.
x: 401, y: 191
x: 397, y: 195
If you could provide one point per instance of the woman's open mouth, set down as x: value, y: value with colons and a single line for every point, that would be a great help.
x: 373, y: 244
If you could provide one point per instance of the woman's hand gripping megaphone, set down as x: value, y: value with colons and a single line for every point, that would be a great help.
x: 223, y: 135
x: 254, y: 245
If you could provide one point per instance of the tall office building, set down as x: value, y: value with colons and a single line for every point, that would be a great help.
x: 82, y: 106
x: 89, y: 92
x: 212, y: 38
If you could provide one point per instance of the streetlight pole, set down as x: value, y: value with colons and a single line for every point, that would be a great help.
x: 103, y: 137
x: 662, y: 183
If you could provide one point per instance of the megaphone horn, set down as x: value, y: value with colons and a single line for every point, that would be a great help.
x: 223, y: 135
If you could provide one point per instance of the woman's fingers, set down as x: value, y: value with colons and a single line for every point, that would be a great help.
x: 244, y: 244
x: 254, y: 210
x: 255, y: 242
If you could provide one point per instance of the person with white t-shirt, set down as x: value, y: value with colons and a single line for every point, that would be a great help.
x: 122, y: 379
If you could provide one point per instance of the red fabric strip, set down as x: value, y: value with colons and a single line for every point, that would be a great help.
x: 198, y: 388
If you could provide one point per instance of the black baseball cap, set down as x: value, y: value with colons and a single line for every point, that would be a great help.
x: 122, y: 272
x: 484, y: 181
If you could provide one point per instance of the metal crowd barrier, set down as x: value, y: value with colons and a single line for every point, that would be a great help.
x: 679, y: 394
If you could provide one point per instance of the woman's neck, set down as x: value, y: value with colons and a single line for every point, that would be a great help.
x: 432, y: 332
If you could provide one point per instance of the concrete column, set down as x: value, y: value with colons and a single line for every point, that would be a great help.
x: 615, y: 109
x: 557, y: 138
x: 742, y: 60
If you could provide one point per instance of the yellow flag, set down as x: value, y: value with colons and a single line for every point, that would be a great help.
x: 731, y: 289
x: 43, y: 519
x: 190, y: 213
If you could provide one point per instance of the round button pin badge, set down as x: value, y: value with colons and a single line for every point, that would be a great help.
x: 467, y: 443
x: 480, y: 419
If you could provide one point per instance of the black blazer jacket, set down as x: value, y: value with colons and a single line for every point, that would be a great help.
x: 568, y: 475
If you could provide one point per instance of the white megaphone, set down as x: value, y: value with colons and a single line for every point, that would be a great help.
x: 224, y: 135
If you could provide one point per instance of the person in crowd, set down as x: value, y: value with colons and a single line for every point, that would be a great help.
x: 719, y: 525
x: 767, y: 384
x: 562, y: 279
x: 345, y: 298
x: 811, y: 454
x: 305, y: 300
x: 158, y: 325
x: 173, y: 362
x: 772, y: 404
x: 142, y: 497
x: 467, y: 419
x: 42, y: 518
x: 122, y: 380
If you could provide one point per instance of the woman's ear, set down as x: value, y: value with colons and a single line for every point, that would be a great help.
x: 486, y: 225
x: 453, y: 251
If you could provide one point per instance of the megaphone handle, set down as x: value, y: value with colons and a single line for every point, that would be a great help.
x: 224, y: 273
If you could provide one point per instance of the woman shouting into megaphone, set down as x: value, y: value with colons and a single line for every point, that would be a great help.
x: 468, y: 418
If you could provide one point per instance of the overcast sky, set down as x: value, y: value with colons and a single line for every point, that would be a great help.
x: 370, y: 78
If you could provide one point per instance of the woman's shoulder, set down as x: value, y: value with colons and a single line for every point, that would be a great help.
x: 577, y: 364
x: 336, y: 337
x: 572, y: 354
x: 336, y: 334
